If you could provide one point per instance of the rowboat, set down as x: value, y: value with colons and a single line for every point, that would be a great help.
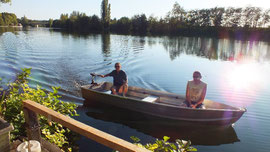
x: 161, y: 104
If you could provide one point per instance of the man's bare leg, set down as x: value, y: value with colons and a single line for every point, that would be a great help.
x: 123, y: 90
x: 114, y: 91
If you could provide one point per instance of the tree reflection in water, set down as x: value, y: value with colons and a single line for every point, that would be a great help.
x: 217, y: 49
x: 106, y: 44
x: 14, y: 30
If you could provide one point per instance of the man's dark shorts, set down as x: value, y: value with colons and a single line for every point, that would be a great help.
x: 116, y: 88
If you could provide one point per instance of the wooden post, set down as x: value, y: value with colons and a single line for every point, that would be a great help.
x: 32, y: 125
x: 5, y: 129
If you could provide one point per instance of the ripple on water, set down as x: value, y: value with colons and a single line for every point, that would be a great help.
x: 155, y: 63
x: 7, y: 66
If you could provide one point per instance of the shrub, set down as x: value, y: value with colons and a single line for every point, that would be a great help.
x: 165, y: 146
x: 12, y: 111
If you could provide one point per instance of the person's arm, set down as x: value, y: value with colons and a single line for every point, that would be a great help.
x: 106, y: 75
x: 103, y: 76
x: 202, y: 96
x: 187, y: 94
x: 126, y: 82
x: 125, y: 79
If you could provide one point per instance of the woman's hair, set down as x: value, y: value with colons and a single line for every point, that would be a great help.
x: 197, y: 72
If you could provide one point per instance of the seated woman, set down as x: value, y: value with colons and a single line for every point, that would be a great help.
x: 195, y: 92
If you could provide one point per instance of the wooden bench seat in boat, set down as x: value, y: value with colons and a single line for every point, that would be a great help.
x: 150, y: 98
x: 137, y: 95
x: 107, y: 91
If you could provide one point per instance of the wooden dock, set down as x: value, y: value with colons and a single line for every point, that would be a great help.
x: 31, y: 109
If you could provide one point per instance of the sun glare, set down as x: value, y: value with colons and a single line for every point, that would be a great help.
x: 244, y: 80
x: 244, y: 76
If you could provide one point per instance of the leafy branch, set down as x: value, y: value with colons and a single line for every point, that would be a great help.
x: 11, y: 110
x: 166, y: 146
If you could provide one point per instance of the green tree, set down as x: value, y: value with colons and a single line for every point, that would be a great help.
x: 105, y: 14
x: 139, y: 24
x: 175, y: 18
x: 192, y: 18
x: 153, y: 24
x: 95, y: 23
x: 178, y: 12
x: 248, y: 16
x: 230, y: 16
x: 50, y: 22
x: 236, y: 17
x: 257, y: 13
x: 5, y: 1
x: 265, y: 17
x: 123, y: 25
x: 7, y: 19
x: 216, y: 16
x: 2, y: 23
x: 24, y: 21
x: 63, y: 17
x: 205, y: 17
x: 63, y: 20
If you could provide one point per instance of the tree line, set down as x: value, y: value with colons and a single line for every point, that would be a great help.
x: 10, y: 19
x: 24, y: 21
x: 218, y: 21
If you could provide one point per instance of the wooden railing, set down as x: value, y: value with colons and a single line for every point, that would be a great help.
x: 31, y: 109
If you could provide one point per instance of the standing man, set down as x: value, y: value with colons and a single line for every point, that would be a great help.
x: 120, y: 81
x: 195, y: 92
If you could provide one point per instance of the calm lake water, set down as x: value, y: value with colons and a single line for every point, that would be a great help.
x: 237, y: 73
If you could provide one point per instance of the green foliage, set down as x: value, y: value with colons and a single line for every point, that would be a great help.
x: 8, y: 19
x: 50, y: 22
x: 214, y: 22
x: 24, y: 21
x: 165, y: 146
x: 5, y: 1
x: 79, y: 22
x: 11, y: 110
x: 123, y: 25
x: 105, y: 14
x: 139, y: 24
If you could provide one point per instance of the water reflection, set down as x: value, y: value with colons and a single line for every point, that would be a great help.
x: 62, y: 59
x: 106, y: 42
x: 217, y: 49
x: 158, y: 128
x: 10, y: 29
x: 211, y: 48
x: 75, y: 36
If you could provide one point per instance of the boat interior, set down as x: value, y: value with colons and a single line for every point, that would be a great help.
x: 156, y: 96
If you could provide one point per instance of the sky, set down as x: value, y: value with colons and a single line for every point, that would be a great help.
x: 45, y: 9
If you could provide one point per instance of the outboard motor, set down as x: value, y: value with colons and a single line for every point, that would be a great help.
x: 93, y: 79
